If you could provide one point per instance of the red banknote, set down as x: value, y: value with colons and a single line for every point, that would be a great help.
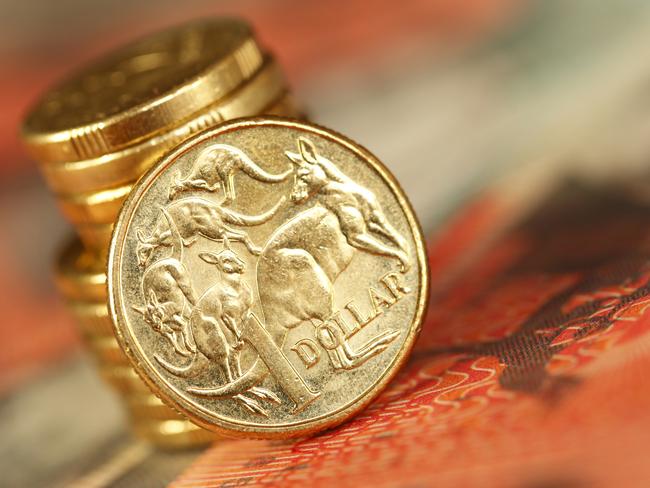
x: 531, y: 370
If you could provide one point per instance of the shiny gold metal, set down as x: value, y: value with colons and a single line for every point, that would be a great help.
x: 94, y: 208
x: 98, y: 236
x: 172, y: 434
x: 126, y: 165
x: 153, y: 420
x: 144, y: 88
x: 81, y: 279
x: 80, y: 275
x: 102, y: 207
x: 267, y: 278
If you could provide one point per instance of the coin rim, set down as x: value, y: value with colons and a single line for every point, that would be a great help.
x: 98, y: 174
x: 197, y: 413
x: 102, y: 206
x: 92, y: 139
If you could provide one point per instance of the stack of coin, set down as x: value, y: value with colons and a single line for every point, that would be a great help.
x: 81, y: 279
x: 97, y: 133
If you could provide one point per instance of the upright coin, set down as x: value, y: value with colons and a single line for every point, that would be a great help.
x: 267, y: 278
x: 143, y: 88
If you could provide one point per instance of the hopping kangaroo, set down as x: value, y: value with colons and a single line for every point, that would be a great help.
x: 304, y: 256
x: 194, y: 217
x: 169, y: 297
x: 356, y: 208
x: 216, y: 166
x: 218, y: 316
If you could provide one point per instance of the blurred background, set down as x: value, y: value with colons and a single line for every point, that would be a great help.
x: 453, y: 95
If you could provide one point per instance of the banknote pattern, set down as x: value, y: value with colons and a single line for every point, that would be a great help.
x: 526, y: 372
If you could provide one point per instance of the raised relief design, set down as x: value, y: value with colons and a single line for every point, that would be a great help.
x: 168, y: 290
x: 332, y: 218
x: 215, y: 168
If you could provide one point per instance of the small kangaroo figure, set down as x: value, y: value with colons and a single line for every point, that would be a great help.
x: 169, y: 296
x: 193, y: 217
x: 215, y: 167
x: 219, y: 314
x: 216, y: 322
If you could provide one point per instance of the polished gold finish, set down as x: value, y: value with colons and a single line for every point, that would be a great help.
x: 106, y: 350
x: 267, y: 278
x: 102, y: 207
x: 117, y: 168
x: 286, y: 106
x: 94, y: 208
x: 146, y: 87
x: 97, y: 133
x: 97, y: 236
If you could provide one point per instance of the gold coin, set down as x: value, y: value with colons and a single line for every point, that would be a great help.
x: 267, y: 278
x: 141, y: 89
x: 80, y: 275
x: 172, y: 434
x: 98, y: 236
x: 127, y: 165
x: 101, y: 208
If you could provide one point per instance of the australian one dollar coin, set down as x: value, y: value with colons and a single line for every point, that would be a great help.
x: 267, y: 278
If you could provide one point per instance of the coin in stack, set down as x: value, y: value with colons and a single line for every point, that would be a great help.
x: 123, y: 378
x: 158, y: 423
x: 98, y: 132
x: 81, y: 278
x: 97, y: 236
x: 267, y: 278
x: 94, y: 211
x: 120, y: 167
x: 142, y: 89
x: 162, y: 426
x: 149, y: 406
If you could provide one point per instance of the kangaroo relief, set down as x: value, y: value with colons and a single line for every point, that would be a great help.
x: 215, y: 168
x: 267, y: 313
x: 167, y: 288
